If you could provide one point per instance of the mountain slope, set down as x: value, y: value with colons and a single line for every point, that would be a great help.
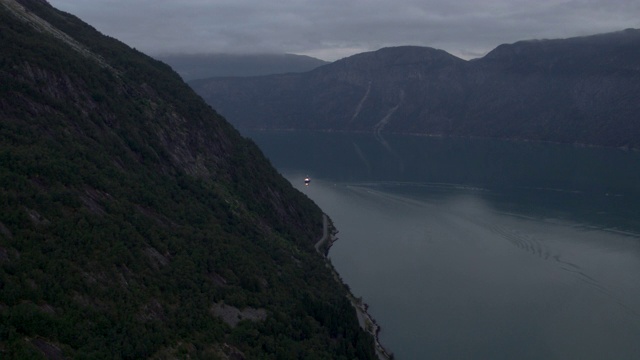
x: 355, y: 93
x: 579, y: 90
x: 137, y: 223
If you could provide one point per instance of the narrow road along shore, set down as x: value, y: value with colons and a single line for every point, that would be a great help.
x: 366, y: 321
x: 325, y: 234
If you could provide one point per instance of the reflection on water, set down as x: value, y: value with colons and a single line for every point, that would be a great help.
x: 481, y: 249
x: 593, y: 185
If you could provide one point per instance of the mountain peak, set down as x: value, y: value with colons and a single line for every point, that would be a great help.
x: 580, y: 45
x: 398, y: 56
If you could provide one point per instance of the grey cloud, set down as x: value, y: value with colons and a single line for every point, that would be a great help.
x: 336, y: 28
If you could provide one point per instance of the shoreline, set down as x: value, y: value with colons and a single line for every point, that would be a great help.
x: 366, y: 321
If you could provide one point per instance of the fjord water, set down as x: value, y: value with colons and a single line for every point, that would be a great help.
x: 480, y: 249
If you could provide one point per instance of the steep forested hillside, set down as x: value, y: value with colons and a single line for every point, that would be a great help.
x: 579, y: 90
x: 136, y: 223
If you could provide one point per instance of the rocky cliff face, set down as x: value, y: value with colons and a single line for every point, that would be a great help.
x: 578, y: 90
x: 137, y: 223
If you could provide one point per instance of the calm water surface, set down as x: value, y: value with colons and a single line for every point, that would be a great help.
x: 478, y: 249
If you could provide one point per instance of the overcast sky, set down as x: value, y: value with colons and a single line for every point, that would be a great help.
x: 332, y: 29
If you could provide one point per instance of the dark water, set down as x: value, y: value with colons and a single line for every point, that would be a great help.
x: 480, y: 249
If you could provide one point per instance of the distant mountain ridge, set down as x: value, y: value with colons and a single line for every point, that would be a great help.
x: 578, y: 90
x: 202, y: 66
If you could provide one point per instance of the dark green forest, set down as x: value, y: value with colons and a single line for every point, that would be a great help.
x: 131, y: 213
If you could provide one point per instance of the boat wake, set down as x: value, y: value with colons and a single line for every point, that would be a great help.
x: 468, y: 220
